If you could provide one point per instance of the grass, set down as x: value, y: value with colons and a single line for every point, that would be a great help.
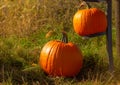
x: 18, y: 54
x: 23, y: 27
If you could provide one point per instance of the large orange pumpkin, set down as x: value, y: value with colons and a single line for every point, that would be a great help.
x: 61, y: 58
x: 89, y: 21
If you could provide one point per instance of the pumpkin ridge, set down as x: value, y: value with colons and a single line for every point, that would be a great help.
x: 48, y: 58
x: 62, y: 58
x: 56, y: 54
x: 52, y: 53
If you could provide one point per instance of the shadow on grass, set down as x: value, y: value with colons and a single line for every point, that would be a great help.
x: 94, y: 67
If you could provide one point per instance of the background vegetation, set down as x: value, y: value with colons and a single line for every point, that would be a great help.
x: 23, y: 28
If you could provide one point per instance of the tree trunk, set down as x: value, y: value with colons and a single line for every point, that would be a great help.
x: 117, y: 17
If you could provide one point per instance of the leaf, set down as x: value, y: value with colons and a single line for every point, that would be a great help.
x: 37, y: 67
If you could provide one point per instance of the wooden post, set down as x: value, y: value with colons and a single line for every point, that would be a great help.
x: 109, y: 35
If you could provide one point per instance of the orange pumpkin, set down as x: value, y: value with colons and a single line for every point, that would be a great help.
x: 61, y: 58
x: 89, y: 21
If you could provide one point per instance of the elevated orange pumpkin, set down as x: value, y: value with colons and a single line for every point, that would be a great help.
x: 61, y: 58
x: 89, y: 21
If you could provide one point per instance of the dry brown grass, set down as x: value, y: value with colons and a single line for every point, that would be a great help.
x: 24, y: 17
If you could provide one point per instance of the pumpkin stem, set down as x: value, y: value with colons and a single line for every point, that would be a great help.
x: 85, y: 4
x: 65, y: 37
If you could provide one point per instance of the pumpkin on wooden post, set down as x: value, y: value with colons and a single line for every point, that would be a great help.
x: 89, y: 21
x: 61, y: 58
